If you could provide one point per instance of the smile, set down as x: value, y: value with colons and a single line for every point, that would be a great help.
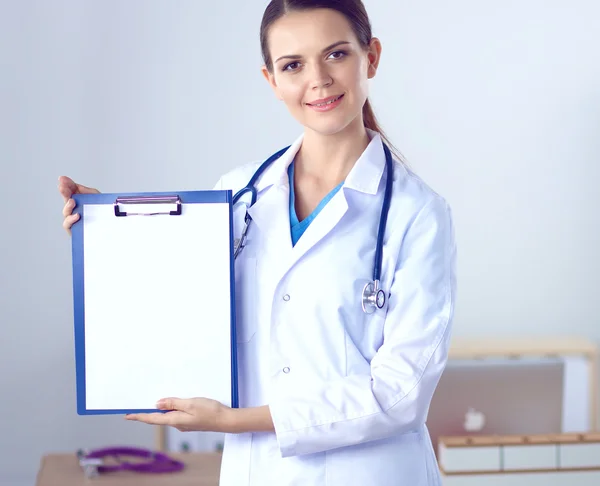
x: 326, y: 104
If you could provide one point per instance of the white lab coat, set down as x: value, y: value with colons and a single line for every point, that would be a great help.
x: 348, y: 392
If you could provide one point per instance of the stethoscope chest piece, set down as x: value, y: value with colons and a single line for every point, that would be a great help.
x: 373, y: 297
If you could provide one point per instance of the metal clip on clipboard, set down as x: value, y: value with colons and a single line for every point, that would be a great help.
x: 148, y: 200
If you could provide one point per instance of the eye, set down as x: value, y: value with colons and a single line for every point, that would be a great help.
x: 337, y: 54
x: 292, y: 66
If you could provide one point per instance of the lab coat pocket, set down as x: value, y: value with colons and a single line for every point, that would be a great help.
x: 245, y: 297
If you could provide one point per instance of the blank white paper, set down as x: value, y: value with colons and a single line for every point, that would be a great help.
x: 157, y: 306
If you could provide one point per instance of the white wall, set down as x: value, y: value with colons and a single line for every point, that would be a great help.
x: 496, y: 105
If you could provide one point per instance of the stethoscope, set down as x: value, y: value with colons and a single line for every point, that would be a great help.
x: 373, y: 297
x: 93, y: 464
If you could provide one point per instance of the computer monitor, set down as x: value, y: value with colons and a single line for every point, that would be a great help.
x: 489, y: 397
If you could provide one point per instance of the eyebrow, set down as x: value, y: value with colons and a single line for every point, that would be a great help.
x: 296, y: 56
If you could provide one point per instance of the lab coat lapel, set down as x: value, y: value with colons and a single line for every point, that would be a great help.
x: 270, y: 214
x: 364, y: 177
x: 271, y: 211
x: 272, y: 217
x: 320, y: 227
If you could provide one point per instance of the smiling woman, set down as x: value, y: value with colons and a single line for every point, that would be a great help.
x: 345, y: 20
x: 330, y: 393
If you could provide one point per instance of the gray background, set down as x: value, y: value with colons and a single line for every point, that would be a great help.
x: 495, y: 104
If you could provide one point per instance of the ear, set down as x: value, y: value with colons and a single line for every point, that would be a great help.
x: 373, y: 57
x: 270, y: 77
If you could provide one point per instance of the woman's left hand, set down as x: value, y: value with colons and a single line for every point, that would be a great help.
x: 187, y: 415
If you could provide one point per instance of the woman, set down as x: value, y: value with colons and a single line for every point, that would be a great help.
x: 330, y: 395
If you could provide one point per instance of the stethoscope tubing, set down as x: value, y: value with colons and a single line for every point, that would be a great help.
x: 387, y: 198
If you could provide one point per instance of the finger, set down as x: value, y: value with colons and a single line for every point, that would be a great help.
x: 70, y: 221
x: 66, y: 187
x: 68, y: 207
x: 149, y: 418
x: 173, y: 403
x: 86, y: 190
x: 173, y: 419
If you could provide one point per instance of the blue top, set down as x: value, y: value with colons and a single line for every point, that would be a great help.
x: 299, y: 227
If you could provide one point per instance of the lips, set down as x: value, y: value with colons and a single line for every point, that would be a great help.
x: 325, y: 101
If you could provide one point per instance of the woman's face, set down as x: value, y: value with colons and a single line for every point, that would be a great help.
x: 320, y: 71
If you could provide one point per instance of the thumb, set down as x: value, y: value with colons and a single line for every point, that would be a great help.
x: 81, y: 189
x: 66, y: 187
x: 172, y: 404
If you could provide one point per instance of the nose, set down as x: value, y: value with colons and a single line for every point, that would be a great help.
x: 320, y: 77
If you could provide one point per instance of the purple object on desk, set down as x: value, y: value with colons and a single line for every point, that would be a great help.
x: 157, y: 461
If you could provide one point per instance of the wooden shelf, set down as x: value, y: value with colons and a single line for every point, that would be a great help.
x: 477, y: 348
x: 500, y: 440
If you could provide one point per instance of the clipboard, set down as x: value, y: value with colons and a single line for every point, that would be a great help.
x: 153, y: 300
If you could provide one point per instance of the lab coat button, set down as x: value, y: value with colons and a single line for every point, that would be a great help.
x: 286, y: 370
x: 286, y: 297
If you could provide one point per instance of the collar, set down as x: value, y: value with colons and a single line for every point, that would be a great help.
x: 277, y: 172
x: 368, y: 169
x: 364, y: 177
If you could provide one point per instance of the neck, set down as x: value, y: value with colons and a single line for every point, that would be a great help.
x: 327, y: 159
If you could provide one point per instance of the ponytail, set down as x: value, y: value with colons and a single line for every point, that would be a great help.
x: 369, y: 117
x: 370, y: 122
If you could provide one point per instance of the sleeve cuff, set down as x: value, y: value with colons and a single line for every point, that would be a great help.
x: 286, y: 439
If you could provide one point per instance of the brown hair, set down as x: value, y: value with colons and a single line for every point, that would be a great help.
x: 355, y: 13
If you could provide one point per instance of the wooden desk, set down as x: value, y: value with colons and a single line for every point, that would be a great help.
x: 202, y: 469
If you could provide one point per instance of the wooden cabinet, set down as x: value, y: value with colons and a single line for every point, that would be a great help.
x: 528, y: 460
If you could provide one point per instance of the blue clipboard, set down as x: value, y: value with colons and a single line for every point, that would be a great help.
x: 114, y: 360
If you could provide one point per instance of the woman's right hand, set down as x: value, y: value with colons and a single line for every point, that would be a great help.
x: 67, y: 187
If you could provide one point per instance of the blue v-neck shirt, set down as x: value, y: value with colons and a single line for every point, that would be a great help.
x: 299, y: 227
